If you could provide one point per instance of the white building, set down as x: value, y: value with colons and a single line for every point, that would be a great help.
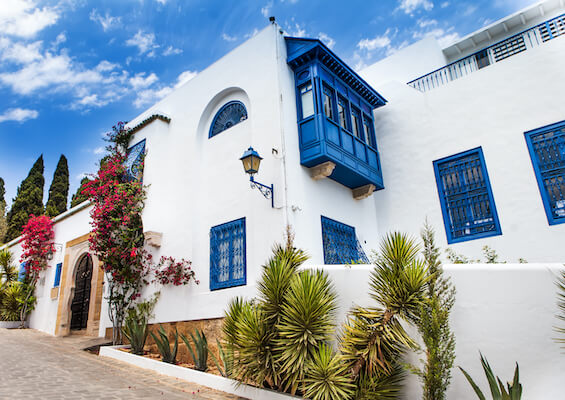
x: 471, y: 136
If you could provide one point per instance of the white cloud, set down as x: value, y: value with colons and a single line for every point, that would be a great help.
x: 265, y: 11
x: 169, y: 51
x: 21, y: 53
x: 61, y: 38
x: 296, y: 31
x: 229, y: 38
x: 140, y: 81
x: 107, y: 21
x: 424, y: 23
x: 444, y: 4
x: 98, y: 151
x: 254, y: 32
x: 162, y: 2
x: 409, y: 6
x: 328, y: 41
x: 24, y: 19
x: 469, y: 9
x: 18, y: 115
x: 151, y: 95
x: 145, y: 43
x: 378, y: 42
x: 445, y: 37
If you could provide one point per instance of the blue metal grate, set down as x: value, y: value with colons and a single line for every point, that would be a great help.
x: 134, y: 162
x: 466, y: 197
x: 228, y: 255
x: 547, y: 151
x: 340, y: 243
x: 230, y: 114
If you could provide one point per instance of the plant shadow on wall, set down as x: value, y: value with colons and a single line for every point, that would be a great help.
x: 117, y: 232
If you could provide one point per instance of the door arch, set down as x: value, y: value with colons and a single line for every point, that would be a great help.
x: 81, y: 299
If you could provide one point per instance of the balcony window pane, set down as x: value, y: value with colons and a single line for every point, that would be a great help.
x: 328, y: 103
x: 368, y: 128
x: 342, y: 112
x: 307, y: 97
x: 356, y: 123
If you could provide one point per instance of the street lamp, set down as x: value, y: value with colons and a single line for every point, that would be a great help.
x: 251, y: 161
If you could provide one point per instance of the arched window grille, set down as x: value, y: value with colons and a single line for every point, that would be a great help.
x: 230, y: 114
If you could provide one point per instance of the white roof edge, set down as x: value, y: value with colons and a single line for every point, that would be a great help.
x: 499, y: 22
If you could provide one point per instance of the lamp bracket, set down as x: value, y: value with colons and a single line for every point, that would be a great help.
x: 266, y: 191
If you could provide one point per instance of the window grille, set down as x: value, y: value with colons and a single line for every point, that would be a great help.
x: 134, y: 162
x: 58, y: 275
x: 230, y: 114
x: 340, y: 243
x: 547, y: 151
x: 508, y: 48
x: 466, y: 197
x: 228, y: 255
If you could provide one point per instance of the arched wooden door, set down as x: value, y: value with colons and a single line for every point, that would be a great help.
x: 81, y: 299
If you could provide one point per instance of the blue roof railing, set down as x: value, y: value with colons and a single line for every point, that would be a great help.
x: 527, y: 39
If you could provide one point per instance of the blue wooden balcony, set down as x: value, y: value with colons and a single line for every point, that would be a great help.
x: 335, y: 115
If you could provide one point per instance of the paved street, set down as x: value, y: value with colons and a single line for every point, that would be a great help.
x: 34, y: 365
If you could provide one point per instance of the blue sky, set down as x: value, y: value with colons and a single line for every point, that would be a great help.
x: 70, y: 69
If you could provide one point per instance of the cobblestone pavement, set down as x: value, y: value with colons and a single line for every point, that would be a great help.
x: 34, y: 365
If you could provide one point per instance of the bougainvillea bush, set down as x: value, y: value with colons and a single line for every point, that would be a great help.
x: 117, y: 235
x: 37, y: 244
x: 177, y: 273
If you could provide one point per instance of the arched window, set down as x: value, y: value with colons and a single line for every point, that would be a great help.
x: 230, y: 114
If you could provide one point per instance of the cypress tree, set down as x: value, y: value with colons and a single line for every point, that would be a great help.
x: 3, y: 224
x: 78, y: 197
x: 28, y: 200
x: 59, y: 190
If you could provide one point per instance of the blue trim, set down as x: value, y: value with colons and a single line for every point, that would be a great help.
x: 134, y: 162
x: 22, y: 272
x: 234, y: 111
x: 555, y: 171
x: 57, y: 281
x: 340, y: 243
x: 467, y: 203
x: 228, y: 255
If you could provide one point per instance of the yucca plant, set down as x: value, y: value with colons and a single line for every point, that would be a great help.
x: 7, y: 270
x: 226, y: 357
x: 136, y: 333
x: 199, y: 353
x: 12, y: 301
x: 560, y: 283
x: 373, y: 338
x: 164, y: 345
x: 327, y: 377
x: 513, y: 391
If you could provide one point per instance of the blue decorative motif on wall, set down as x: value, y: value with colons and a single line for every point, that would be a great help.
x: 340, y: 243
x: 230, y: 114
x: 134, y: 162
x: 335, y: 114
x: 466, y: 197
x: 547, y: 151
x: 228, y: 262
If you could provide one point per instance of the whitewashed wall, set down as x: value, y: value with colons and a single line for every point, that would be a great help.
x: 506, y: 311
x: 492, y: 108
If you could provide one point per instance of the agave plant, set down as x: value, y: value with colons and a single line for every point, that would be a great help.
x: 226, y: 357
x: 327, y: 377
x: 199, y: 353
x: 374, y: 338
x: 513, y: 391
x: 164, y: 345
x: 136, y: 333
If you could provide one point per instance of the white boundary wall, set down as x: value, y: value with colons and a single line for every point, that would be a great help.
x: 507, y: 311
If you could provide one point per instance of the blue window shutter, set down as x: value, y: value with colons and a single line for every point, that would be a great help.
x: 340, y: 243
x: 466, y: 197
x: 134, y: 162
x: 547, y: 151
x: 58, y: 275
x: 231, y: 113
x: 22, y: 273
x: 228, y: 259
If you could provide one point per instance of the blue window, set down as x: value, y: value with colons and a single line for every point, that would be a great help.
x: 134, y: 162
x: 228, y: 261
x: 307, y: 101
x: 22, y: 272
x: 340, y: 243
x: 466, y: 197
x: 230, y: 114
x: 547, y: 151
x: 58, y: 275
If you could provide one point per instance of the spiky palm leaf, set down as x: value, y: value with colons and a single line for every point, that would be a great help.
x: 497, y: 389
x: 381, y: 385
x: 12, y: 301
x: 7, y: 270
x: 226, y: 355
x: 327, y: 377
x: 163, y: 344
x: 560, y: 283
x: 307, y: 321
